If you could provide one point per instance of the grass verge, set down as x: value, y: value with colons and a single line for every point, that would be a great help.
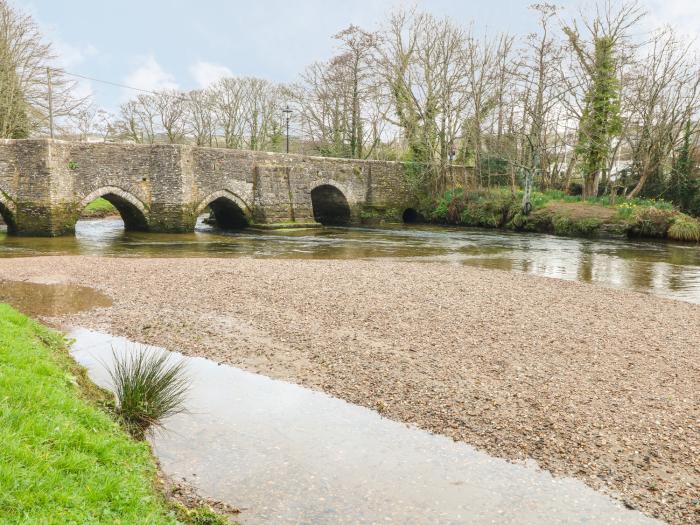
x: 62, y: 458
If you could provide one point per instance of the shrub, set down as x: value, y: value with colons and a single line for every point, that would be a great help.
x: 588, y: 226
x: 149, y: 387
x: 564, y: 225
x: 651, y: 222
x: 685, y: 228
x: 575, y: 189
x: 518, y: 221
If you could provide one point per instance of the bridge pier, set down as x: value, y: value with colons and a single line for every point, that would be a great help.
x: 37, y: 219
x: 45, y: 184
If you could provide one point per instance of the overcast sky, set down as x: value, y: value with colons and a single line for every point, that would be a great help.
x: 153, y: 44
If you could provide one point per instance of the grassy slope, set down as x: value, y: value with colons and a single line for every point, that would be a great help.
x: 99, y: 208
x: 62, y: 459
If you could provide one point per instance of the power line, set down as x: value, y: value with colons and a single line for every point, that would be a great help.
x: 124, y: 86
x: 182, y: 97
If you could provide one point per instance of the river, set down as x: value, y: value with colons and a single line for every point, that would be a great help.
x: 666, y: 269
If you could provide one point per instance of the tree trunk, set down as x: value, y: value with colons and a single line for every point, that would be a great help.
x: 638, y: 188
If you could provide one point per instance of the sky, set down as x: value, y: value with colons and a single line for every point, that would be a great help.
x: 185, y: 44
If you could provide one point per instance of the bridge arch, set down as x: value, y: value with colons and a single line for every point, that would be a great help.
x: 330, y: 204
x: 132, y: 211
x: 7, y: 212
x: 411, y: 216
x: 229, y: 211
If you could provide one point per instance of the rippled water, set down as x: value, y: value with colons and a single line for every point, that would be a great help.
x: 286, y: 454
x: 667, y: 269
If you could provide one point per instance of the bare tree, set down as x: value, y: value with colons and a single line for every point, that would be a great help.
x: 424, y: 64
x: 664, y: 94
x: 200, y: 116
x: 137, y: 120
x: 228, y: 97
x: 170, y: 106
x: 26, y: 68
x: 261, y: 111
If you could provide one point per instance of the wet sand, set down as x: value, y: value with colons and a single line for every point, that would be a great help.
x: 599, y: 384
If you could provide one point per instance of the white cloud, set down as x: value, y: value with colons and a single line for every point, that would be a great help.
x: 206, y: 73
x: 149, y: 75
x: 683, y: 15
x: 68, y: 55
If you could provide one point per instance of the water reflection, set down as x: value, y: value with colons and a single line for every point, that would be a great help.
x: 291, y: 455
x: 667, y: 269
x: 50, y: 300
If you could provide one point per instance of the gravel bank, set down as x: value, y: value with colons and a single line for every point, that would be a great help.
x: 594, y: 383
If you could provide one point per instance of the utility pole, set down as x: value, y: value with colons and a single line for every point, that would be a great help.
x: 48, y: 76
x: 287, y: 112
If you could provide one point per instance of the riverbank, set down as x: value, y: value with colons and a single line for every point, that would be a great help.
x: 63, y: 458
x: 556, y: 213
x: 593, y: 383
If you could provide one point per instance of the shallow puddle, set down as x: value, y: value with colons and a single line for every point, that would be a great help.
x: 50, y: 300
x: 287, y: 454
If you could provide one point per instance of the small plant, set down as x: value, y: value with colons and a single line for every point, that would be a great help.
x: 200, y: 516
x: 685, y: 228
x: 72, y: 165
x: 149, y: 387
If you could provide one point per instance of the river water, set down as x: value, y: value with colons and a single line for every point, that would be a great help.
x: 667, y: 269
x: 289, y: 455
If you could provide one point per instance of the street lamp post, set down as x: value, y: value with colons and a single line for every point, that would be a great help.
x: 287, y: 113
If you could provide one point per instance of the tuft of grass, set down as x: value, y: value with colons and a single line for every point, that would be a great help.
x: 684, y: 228
x: 200, y: 516
x: 62, y: 458
x: 150, y: 386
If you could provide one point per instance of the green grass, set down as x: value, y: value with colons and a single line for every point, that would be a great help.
x: 99, y: 208
x: 63, y: 460
x: 685, y: 228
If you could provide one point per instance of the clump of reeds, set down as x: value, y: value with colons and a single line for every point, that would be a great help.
x: 150, y: 385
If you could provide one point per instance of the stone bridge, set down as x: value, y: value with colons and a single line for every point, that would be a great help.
x: 45, y: 184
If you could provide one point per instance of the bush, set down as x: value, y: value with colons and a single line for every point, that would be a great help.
x: 651, y: 222
x: 518, y: 221
x: 576, y: 227
x: 684, y: 228
x: 575, y: 189
x: 149, y: 387
x: 480, y: 208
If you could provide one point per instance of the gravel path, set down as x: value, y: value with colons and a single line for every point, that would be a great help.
x: 594, y: 383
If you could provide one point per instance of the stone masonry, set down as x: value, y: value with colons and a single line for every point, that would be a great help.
x: 44, y: 185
